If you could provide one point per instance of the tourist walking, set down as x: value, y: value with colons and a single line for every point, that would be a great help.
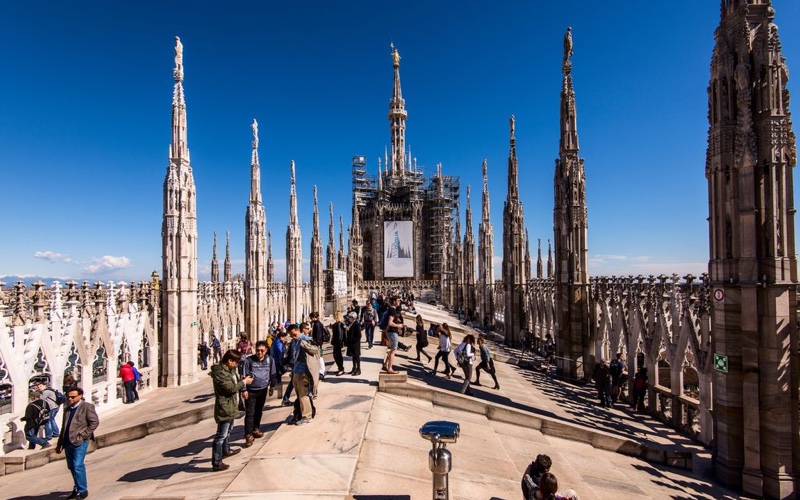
x: 338, y: 332
x: 129, y: 381
x: 369, y: 318
x: 262, y: 369
x: 36, y: 414
x: 465, y: 354
x: 395, y: 326
x: 305, y: 373
x: 422, y: 339
x: 486, y: 364
x: 279, y: 352
x: 77, y: 429
x: 53, y: 399
x: 203, y: 350
x: 445, y: 337
x: 227, y: 386
x: 216, y: 348
x: 354, y: 343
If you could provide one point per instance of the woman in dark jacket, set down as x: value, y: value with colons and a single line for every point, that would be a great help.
x: 354, y: 343
x: 337, y: 341
x: 422, y: 339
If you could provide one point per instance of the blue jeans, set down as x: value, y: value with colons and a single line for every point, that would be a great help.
x: 75, y: 456
x: 369, y: 331
x: 32, y: 435
x: 51, y: 427
x: 222, y: 441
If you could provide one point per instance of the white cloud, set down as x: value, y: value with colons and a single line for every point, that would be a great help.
x: 107, y: 263
x: 52, y: 257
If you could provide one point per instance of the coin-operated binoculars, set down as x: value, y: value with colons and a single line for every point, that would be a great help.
x: 440, y: 460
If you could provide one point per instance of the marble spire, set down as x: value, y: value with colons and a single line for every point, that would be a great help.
x: 485, y: 256
x: 179, y: 248
x: 330, y: 255
x: 214, y: 262
x: 340, y: 264
x: 255, y: 248
x: 514, y: 269
x: 227, y: 264
x: 294, y: 259
x: 315, y: 269
x: 539, y: 264
x: 397, y: 119
x: 469, y: 257
x: 270, y: 261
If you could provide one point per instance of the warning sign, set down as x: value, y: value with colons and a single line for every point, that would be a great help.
x: 719, y: 294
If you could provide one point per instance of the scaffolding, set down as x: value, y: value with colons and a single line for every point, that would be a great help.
x: 441, y: 197
x: 364, y: 186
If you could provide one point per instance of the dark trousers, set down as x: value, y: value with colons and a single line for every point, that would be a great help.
x: 448, y: 368
x: 337, y: 357
x: 421, y: 350
x: 130, y: 391
x: 488, y: 368
x: 369, y: 330
x: 356, y: 363
x: 253, y: 409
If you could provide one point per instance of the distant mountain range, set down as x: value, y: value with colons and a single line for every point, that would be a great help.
x: 11, y: 280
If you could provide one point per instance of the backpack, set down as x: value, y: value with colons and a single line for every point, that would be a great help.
x: 461, y: 355
x: 43, y: 415
x: 384, y: 322
x: 326, y: 334
x: 615, y: 369
x: 59, y: 397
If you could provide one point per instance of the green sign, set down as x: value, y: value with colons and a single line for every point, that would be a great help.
x: 194, y: 324
x: 721, y: 363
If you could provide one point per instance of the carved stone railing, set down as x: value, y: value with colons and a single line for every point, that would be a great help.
x: 73, y: 336
x: 661, y: 323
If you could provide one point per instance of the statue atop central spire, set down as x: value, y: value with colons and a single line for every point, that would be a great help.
x: 395, y: 55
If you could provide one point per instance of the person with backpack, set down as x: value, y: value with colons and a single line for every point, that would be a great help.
x: 465, y: 354
x: 616, y: 369
x: 216, y: 347
x: 53, y: 399
x: 36, y: 414
x: 369, y: 318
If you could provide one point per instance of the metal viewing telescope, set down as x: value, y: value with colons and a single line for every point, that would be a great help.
x: 440, y: 460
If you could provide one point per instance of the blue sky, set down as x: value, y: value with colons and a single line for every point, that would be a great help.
x: 85, y: 119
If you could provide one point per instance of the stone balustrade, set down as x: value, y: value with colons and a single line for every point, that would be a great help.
x: 76, y: 335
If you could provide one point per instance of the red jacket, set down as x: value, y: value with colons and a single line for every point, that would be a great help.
x: 126, y: 373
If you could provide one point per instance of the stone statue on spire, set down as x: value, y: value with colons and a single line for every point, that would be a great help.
x: 568, y: 44
x: 511, y: 124
x: 178, y: 71
x: 254, y: 126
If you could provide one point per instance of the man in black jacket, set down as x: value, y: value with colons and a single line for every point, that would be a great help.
x: 317, y: 329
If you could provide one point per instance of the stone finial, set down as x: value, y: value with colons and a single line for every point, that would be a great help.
x: 178, y: 71
x: 568, y: 44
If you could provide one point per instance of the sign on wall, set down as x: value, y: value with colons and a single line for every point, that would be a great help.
x: 398, y: 249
